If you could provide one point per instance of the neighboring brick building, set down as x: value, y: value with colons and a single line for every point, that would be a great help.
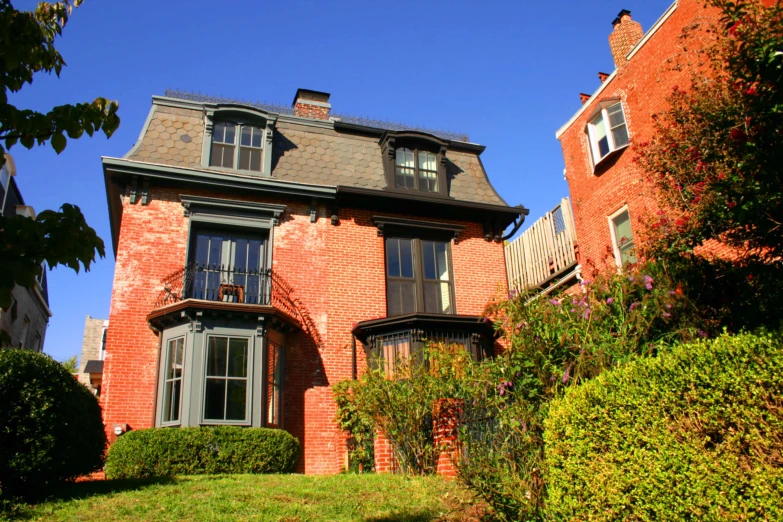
x: 93, y: 348
x: 242, y: 294
x: 608, y: 191
x: 26, y: 319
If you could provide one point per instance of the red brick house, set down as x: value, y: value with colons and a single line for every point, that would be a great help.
x: 608, y: 192
x: 264, y: 253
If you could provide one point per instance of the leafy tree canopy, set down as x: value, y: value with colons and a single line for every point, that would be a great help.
x: 716, y: 154
x: 56, y: 237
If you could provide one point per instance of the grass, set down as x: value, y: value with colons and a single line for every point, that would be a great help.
x: 288, y: 498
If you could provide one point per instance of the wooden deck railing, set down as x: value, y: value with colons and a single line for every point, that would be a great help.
x: 544, y: 251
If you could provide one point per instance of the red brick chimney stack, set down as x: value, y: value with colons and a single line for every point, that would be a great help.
x: 624, y: 37
x: 311, y: 104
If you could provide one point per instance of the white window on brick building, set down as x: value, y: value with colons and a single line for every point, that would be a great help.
x: 622, y: 237
x: 607, y: 130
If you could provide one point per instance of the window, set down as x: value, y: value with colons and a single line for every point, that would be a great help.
x: 172, y: 386
x: 274, y: 384
x: 622, y: 237
x: 226, y: 153
x: 229, y: 267
x: 226, y: 387
x: 416, y: 169
x: 418, y: 276
x: 607, y: 131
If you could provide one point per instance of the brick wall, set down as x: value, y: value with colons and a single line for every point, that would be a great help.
x: 642, y: 83
x: 336, y: 271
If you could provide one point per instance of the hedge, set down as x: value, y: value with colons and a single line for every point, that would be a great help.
x: 160, y: 452
x: 50, y: 425
x: 694, y: 434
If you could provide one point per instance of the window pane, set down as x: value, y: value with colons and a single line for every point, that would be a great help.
x: 406, y: 257
x: 237, y: 358
x: 441, y: 258
x: 435, y: 260
x: 616, y: 116
x: 428, y: 181
x: 236, y: 399
x: 426, y: 160
x: 393, y: 302
x: 622, y: 229
x: 400, y: 297
x: 230, y: 132
x: 172, y: 402
x: 627, y: 253
x: 393, y: 257
x: 244, y: 158
x: 255, y: 160
x: 216, y: 356
x: 257, y: 133
x: 599, y: 134
x: 437, y: 298
x: 215, y: 399
x: 219, y: 133
x: 273, y: 376
x: 620, y: 135
x: 404, y: 158
x: 428, y: 251
x: 175, y: 356
x: 245, y: 136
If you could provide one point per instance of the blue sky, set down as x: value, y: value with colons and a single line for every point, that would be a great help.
x: 507, y: 73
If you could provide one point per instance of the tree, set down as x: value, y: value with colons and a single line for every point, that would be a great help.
x: 61, y: 236
x: 71, y: 364
x: 716, y: 154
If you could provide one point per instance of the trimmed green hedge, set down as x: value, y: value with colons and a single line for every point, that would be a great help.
x: 694, y: 434
x: 50, y: 425
x: 160, y: 452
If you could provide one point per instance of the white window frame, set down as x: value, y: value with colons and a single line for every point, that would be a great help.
x: 618, y: 256
x: 603, y: 111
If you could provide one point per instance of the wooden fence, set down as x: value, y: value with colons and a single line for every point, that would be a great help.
x: 544, y: 251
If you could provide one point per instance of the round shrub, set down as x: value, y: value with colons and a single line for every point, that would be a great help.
x: 159, y: 452
x: 694, y: 434
x: 50, y: 424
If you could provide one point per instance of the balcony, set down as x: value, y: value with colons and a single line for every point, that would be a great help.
x: 225, y: 289
x: 545, y: 255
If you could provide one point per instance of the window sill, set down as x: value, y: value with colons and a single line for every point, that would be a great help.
x: 241, y: 172
x: 604, y: 163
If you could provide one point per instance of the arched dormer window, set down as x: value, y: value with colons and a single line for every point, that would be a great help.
x: 238, y: 139
x: 415, y: 161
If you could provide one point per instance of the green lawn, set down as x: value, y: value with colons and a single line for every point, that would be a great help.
x: 257, y: 497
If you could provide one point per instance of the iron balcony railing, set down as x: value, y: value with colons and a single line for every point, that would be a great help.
x: 227, y: 284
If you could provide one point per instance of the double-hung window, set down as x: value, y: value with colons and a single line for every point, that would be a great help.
x: 416, y: 169
x: 607, y: 131
x: 237, y: 146
x: 418, y: 276
x: 622, y: 237
x: 226, y: 388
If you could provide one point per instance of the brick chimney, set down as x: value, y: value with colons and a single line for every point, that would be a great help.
x: 311, y: 104
x: 624, y: 37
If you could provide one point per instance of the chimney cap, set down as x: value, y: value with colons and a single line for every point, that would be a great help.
x: 620, y: 16
x: 310, y: 95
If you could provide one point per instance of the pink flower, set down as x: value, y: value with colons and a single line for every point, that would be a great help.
x: 609, y: 300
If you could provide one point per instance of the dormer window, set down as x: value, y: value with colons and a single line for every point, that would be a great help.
x: 225, y: 152
x: 238, y: 139
x: 416, y: 169
x: 607, y: 130
x: 415, y: 162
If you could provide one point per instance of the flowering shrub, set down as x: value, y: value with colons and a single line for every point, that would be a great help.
x: 554, y: 343
x: 715, y: 156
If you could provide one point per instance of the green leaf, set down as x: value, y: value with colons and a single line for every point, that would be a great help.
x: 58, y: 143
